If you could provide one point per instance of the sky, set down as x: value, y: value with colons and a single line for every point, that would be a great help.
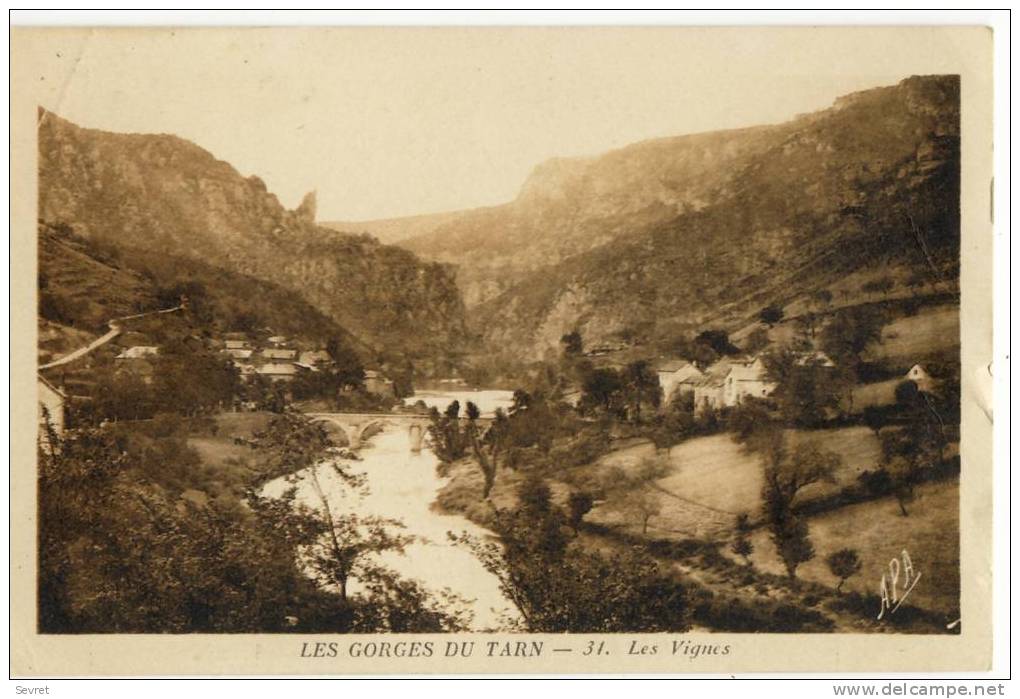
x: 403, y: 121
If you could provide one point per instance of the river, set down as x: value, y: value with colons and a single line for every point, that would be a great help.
x: 402, y: 485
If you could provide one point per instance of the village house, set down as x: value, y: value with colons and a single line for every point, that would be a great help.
x: 277, y: 340
x: 729, y: 381
x: 51, y: 404
x: 815, y: 358
x: 677, y: 376
x: 279, y: 353
x: 883, y: 393
x: 138, y: 352
x: 238, y: 353
x: 315, y: 357
x: 747, y: 380
x: 277, y: 371
x: 378, y: 384
x: 245, y: 370
x: 51, y: 409
x: 921, y: 377
x: 236, y: 344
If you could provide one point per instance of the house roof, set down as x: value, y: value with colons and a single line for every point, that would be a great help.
x: 815, y: 358
x: 277, y: 369
x: 313, y: 356
x: 279, y: 353
x: 671, y: 365
x: 747, y: 372
x: 138, y: 351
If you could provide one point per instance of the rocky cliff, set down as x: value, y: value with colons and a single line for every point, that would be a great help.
x: 160, y: 195
x: 669, y: 234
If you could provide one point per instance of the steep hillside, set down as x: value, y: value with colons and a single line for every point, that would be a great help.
x: 570, y: 206
x: 666, y: 235
x: 83, y: 285
x: 156, y: 196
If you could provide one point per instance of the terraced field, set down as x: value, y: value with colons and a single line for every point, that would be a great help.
x: 879, y: 533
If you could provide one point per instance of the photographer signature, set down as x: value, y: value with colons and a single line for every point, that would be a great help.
x: 897, y: 584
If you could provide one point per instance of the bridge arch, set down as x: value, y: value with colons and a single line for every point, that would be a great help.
x: 349, y: 432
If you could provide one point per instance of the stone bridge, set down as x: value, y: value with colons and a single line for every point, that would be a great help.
x: 356, y: 425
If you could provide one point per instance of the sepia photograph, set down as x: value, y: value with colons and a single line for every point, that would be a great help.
x: 348, y: 334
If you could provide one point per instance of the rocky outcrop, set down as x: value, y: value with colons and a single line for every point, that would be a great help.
x: 163, y: 194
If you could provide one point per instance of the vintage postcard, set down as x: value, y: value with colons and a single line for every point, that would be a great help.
x: 501, y: 350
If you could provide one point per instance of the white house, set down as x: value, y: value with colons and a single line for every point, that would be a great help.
x: 747, y: 380
x: 677, y: 376
x: 239, y: 353
x: 729, y: 381
x: 235, y: 344
x: 378, y: 384
x: 277, y: 371
x: 314, y: 357
x: 276, y: 353
x: 922, y: 378
x: 138, y: 352
x: 51, y: 403
x: 815, y: 358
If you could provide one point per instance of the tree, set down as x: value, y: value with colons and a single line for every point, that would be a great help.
x: 771, y: 314
x: 602, y: 390
x: 445, y: 438
x: 807, y: 391
x: 790, y: 537
x: 807, y: 325
x: 640, y: 386
x: 846, y: 337
x: 348, y: 372
x: 718, y: 341
x: 757, y: 340
x: 742, y: 545
x: 875, y: 419
x: 843, y: 564
x: 578, y: 505
x: 347, y: 544
x: 483, y: 453
x: 909, y: 451
x: 882, y: 285
x: 572, y: 343
x: 821, y: 299
x: 785, y: 476
x: 850, y: 332
x: 630, y: 493
x: 558, y: 587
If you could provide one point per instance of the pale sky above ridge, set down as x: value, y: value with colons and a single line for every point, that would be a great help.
x: 404, y: 121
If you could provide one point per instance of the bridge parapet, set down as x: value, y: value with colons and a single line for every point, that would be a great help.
x: 355, y: 425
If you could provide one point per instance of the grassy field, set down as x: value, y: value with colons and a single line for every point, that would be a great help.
x: 713, y: 479
x: 906, y: 340
x: 880, y: 533
x: 718, y: 473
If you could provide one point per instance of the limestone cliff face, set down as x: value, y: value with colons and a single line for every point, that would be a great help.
x: 666, y: 234
x: 161, y: 193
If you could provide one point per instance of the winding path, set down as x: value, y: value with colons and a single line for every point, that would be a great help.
x: 114, y: 331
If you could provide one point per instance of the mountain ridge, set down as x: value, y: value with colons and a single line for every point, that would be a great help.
x: 665, y: 234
